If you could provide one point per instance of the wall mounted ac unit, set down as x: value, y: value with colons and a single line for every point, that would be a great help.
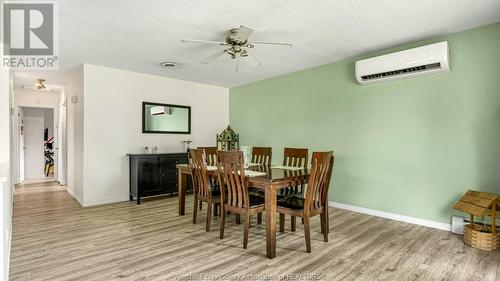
x: 161, y: 110
x: 422, y: 60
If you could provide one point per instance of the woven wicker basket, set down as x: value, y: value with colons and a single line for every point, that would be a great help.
x: 479, y: 237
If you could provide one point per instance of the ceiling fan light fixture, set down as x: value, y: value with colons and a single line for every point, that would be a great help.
x: 237, y: 43
x: 39, y: 84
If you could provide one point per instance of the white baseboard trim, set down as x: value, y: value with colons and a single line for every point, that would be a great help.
x: 35, y: 177
x: 7, y: 258
x: 392, y: 216
x: 106, y: 201
x: 78, y: 199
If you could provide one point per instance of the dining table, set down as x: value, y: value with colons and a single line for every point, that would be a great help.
x: 268, y: 178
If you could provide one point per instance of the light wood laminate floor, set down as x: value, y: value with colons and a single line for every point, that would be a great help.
x: 56, y: 239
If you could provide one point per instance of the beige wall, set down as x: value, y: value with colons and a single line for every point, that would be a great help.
x: 113, y: 124
x: 74, y: 125
x: 5, y: 170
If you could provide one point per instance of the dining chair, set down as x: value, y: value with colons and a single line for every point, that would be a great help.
x: 234, y: 194
x: 293, y: 157
x: 210, y: 154
x: 316, y: 197
x: 204, y: 191
x: 261, y: 155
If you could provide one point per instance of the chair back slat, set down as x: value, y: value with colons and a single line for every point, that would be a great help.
x: 199, y: 173
x: 232, y: 178
x: 295, y: 157
x: 319, y: 180
x: 262, y: 155
x: 210, y: 154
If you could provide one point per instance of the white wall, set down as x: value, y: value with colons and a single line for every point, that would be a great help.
x: 63, y: 147
x: 5, y: 170
x: 48, y: 121
x: 4, y: 114
x: 113, y: 124
x: 30, y: 98
x: 74, y: 131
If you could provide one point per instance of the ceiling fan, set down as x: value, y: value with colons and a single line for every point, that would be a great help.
x: 237, y: 45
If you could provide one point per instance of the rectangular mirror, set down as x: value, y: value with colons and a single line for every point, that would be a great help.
x: 159, y: 118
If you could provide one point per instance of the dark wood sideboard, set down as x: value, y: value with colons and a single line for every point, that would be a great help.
x: 154, y: 174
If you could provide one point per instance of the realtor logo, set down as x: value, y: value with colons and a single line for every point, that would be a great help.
x: 29, y: 36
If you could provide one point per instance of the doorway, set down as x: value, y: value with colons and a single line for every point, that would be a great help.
x: 36, y: 143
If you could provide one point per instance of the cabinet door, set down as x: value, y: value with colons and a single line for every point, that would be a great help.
x: 151, y: 176
x: 170, y: 179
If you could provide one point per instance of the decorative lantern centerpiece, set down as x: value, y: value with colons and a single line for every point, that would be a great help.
x: 228, y: 140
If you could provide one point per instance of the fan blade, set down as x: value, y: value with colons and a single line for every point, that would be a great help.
x: 203, y: 41
x: 245, y: 31
x: 272, y: 43
x: 213, y: 56
x: 254, y: 59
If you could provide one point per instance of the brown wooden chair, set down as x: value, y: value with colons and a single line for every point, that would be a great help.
x: 316, y: 197
x: 293, y: 157
x: 210, y: 154
x: 261, y: 155
x: 234, y: 193
x: 204, y: 191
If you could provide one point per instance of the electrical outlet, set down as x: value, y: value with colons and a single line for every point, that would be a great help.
x: 457, y: 225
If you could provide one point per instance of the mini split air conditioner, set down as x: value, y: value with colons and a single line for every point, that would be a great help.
x: 422, y: 60
x: 161, y: 110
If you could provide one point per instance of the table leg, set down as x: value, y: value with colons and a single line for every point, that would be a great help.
x: 182, y: 191
x: 270, y: 196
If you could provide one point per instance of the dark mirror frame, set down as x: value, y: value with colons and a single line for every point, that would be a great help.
x: 144, y: 131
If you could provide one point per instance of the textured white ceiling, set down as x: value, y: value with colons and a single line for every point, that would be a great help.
x: 138, y: 35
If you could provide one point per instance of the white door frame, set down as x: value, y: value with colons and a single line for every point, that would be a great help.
x: 17, y: 132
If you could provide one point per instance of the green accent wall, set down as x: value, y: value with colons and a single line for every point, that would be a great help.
x: 410, y: 147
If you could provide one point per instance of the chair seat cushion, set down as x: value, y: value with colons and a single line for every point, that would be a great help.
x: 255, y: 191
x: 290, y: 191
x: 292, y: 202
x: 262, y: 193
x: 215, y: 190
x: 256, y: 201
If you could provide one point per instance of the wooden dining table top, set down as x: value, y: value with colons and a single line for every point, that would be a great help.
x: 277, y: 175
